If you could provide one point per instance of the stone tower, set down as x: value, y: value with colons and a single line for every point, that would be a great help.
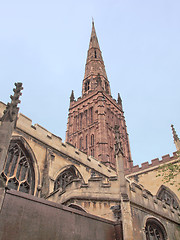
x: 92, y: 117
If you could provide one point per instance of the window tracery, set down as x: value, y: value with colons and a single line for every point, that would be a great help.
x: 92, y: 140
x: 18, y: 171
x: 166, y: 195
x: 67, y: 176
x: 154, y: 230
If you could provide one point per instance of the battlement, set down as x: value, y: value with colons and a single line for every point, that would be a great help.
x: 143, y: 198
x: 154, y: 163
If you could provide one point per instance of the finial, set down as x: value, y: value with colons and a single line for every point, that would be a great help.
x: 119, y: 100
x: 175, y: 136
x: 92, y: 21
x: 72, y: 96
x: 10, y: 113
x: 118, y: 143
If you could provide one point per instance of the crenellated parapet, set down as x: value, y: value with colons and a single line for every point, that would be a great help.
x: 145, y: 200
x: 154, y: 164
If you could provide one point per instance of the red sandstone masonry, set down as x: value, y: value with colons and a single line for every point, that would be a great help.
x: 155, y: 162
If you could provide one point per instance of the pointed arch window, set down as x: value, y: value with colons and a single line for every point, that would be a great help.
x: 86, y: 119
x: 95, y: 54
x: 154, y: 230
x: 18, y: 171
x: 92, y: 140
x: 91, y: 114
x: 86, y: 141
x: 169, y: 197
x: 92, y: 152
x: 65, y: 177
x: 87, y: 85
x: 81, y: 119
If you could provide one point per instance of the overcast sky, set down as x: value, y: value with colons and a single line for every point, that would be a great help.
x: 44, y: 45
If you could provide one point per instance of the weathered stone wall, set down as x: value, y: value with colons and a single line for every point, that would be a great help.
x: 26, y: 217
x: 139, y: 220
x: 144, y: 206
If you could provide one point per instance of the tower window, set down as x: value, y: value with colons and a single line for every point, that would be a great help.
x: 95, y: 55
x: 92, y: 152
x: 86, y: 85
x: 91, y: 114
x: 92, y: 140
x: 81, y: 117
x: 80, y: 143
x: 86, y: 141
x: 86, y: 117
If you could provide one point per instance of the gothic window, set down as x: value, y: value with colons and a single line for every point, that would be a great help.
x: 166, y: 195
x: 87, y: 85
x: 81, y: 117
x: 86, y: 141
x: 18, y: 172
x: 75, y: 123
x: 92, y: 140
x: 95, y: 55
x: 91, y: 114
x: 154, y: 230
x: 92, y: 152
x: 78, y: 121
x: 66, y: 177
x: 86, y: 117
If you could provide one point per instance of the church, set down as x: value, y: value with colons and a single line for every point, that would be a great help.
x: 86, y: 187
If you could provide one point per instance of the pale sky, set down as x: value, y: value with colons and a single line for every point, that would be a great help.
x: 44, y: 45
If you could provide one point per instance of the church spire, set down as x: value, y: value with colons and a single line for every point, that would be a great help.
x: 176, y: 138
x: 94, y: 66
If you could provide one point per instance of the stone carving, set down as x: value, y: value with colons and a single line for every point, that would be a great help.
x: 118, y: 143
x: 11, y: 110
x: 117, y: 212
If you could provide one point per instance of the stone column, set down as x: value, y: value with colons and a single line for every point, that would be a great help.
x: 126, y: 216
